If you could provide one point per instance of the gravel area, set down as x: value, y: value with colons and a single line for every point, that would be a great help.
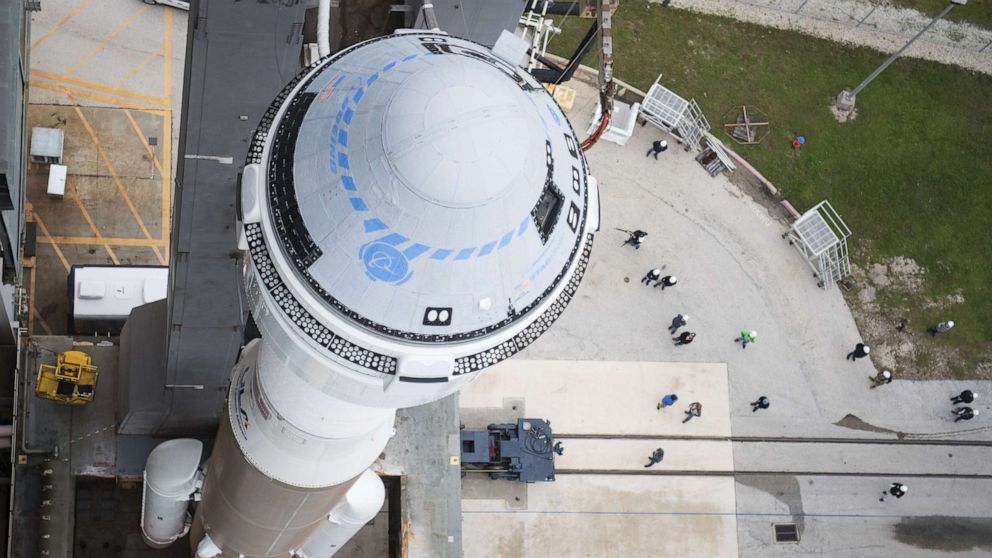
x: 858, y: 22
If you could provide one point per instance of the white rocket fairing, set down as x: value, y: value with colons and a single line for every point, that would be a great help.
x: 415, y: 209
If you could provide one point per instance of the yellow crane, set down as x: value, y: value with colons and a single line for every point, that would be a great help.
x: 71, y: 381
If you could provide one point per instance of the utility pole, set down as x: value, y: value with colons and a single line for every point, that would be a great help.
x: 844, y: 103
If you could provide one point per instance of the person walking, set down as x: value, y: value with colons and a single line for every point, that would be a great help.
x: 657, y: 147
x: 860, y: 351
x: 942, y: 327
x: 882, y: 378
x: 966, y: 396
x: 667, y: 281
x: 694, y: 410
x: 652, y: 275
x: 684, y: 339
x: 747, y: 336
x: 655, y: 457
x: 761, y: 403
x: 964, y: 413
x: 635, y: 238
x: 667, y: 401
x: 677, y: 322
x: 897, y: 489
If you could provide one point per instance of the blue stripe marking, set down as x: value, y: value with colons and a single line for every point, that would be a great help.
x: 415, y: 250
x: 358, y: 95
x: 441, y: 253
x: 358, y: 204
x: 348, y: 182
x: 484, y: 251
x: 347, y: 115
x: 523, y: 226
x: 372, y: 79
x: 554, y: 115
x: 506, y: 239
x: 409, y: 58
x: 465, y: 253
x: 337, y: 117
x: 343, y: 137
x: 388, y: 67
x: 335, y: 130
x: 343, y: 160
x: 393, y: 239
x: 376, y: 224
x: 338, y: 81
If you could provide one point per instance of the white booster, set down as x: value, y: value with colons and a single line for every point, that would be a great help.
x: 414, y: 210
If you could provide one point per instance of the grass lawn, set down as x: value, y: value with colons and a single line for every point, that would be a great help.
x: 977, y: 12
x: 912, y: 175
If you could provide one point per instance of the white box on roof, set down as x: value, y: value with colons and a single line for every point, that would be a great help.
x: 56, y: 180
x: 102, y: 297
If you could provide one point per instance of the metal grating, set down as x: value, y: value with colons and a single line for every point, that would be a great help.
x: 786, y: 532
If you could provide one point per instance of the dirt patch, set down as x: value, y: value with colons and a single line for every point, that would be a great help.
x: 882, y: 297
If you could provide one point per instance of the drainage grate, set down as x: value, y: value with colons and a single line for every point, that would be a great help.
x: 786, y: 532
x: 152, y: 141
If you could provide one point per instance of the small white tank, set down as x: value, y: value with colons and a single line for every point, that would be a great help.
x: 171, y: 474
x: 360, y: 505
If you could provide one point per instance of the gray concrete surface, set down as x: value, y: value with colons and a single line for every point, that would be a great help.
x: 734, y: 271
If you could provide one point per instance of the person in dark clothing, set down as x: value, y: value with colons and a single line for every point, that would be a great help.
x: 860, y: 351
x: 677, y: 322
x: 652, y: 275
x: 667, y: 281
x: 965, y: 413
x: 558, y: 448
x: 897, y: 489
x: 694, y: 410
x: 880, y: 379
x: 761, y: 403
x: 635, y: 239
x: 684, y: 339
x: 966, y: 396
x: 657, y: 147
x: 656, y: 457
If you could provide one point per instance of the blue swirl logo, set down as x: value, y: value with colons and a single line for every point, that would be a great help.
x: 383, y: 262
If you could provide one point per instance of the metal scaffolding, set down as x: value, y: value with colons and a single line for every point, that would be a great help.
x: 821, y: 235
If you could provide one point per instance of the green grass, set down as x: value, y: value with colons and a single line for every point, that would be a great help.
x: 977, y: 12
x: 911, y: 175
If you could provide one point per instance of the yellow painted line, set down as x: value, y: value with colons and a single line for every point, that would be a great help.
x: 94, y: 240
x: 48, y: 237
x: 144, y: 141
x: 74, y: 194
x: 100, y: 46
x: 134, y: 71
x: 117, y: 181
x: 69, y: 92
x: 44, y: 324
x: 61, y: 22
x: 87, y: 84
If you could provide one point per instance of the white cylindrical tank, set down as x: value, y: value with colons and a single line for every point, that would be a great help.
x: 170, y: 478
x: 360, y: 505
x: 414, y: 211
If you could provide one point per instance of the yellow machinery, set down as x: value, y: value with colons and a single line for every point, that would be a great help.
x: 70, y: 382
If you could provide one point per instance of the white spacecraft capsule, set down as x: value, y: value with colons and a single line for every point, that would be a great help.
x: 415, y: 209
